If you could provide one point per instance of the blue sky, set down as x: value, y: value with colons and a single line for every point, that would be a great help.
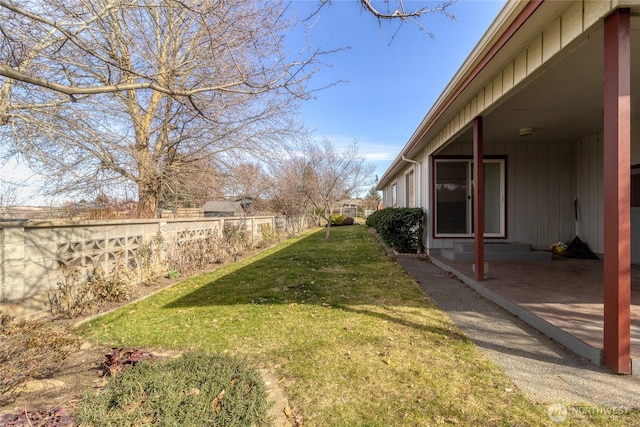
x: 390, y: 82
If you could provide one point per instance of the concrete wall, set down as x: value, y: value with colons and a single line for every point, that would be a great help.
x: 33, y: 254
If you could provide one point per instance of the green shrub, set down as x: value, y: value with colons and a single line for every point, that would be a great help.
x: 337, y: 219
x: 31, y: 349
x: 373, y: 219
x: 400, y: 228
x: 196, y: 389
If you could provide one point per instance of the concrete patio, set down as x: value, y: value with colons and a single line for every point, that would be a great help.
x: 563, y: 298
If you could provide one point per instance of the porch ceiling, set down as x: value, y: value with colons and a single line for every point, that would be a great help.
x: 564, y: 101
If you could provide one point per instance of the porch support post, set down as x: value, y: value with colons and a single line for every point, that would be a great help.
x: 478, y: 197
x: 617, y: 170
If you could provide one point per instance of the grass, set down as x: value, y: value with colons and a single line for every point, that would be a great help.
x: 354, y: 339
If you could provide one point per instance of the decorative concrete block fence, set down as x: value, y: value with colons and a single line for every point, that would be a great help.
x: 34, y: 255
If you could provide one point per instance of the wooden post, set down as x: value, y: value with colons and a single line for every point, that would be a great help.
x: 478, y: 197
x: 617, y: 210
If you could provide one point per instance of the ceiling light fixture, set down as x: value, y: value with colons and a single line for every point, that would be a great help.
x: 525, y: 131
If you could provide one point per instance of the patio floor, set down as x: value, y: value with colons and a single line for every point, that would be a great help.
x: 563, y: 298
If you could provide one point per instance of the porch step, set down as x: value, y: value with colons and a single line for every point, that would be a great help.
x: 496, y: 252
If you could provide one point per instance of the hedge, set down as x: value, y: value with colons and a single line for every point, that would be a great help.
x: 400, y: 228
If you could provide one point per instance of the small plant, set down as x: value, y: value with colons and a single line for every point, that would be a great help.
x: 119, y: 358
x: 235, y: 238
x: 188, y: 256
x: 119, y: 286
x: 149, y: 258
x: 30, y: 350
x: 196, y: 389
x: 337, y: 219
x: 348, y: 221
x: 75, y: 296
x: 269, y: 235
x: 173, y: 274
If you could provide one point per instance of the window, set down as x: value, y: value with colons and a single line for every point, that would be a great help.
x: 394, y: 195
x: 454, y: 197
x: 409, y: 189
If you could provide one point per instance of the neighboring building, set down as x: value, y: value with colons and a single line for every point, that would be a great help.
x: 349, y: 207
x: 220, y: 208
x: 548, y: 103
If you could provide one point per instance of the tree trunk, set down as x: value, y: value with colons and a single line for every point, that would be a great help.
x: 328, y: 218
x: 147, y: 202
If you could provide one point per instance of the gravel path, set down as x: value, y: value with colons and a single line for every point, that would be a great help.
x: 546, y: 372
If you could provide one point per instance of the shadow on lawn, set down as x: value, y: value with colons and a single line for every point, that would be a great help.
x: 342, y: 273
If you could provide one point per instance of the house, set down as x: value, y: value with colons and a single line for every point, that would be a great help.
x: 548, y: 104
x: 219, y: 208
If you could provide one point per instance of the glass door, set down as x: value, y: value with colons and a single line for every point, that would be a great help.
x: 452, y: 197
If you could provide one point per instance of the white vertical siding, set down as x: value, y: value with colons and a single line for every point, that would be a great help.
x: 589, y: 191
x: 572, y: 22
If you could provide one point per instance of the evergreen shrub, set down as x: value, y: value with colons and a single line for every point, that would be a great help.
x: 400, y: 228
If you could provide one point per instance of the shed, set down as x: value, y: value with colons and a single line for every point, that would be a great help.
x: 220, y: 208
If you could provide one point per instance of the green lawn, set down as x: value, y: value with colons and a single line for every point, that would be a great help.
x: 354, y: 339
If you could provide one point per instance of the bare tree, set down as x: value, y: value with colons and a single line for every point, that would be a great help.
x: 247, y: 179
x: 191, y: 184
x: 285, y: 196
x: 8, y: 195
x: 108, y: 96
x: 397, y: 11
x: 332, y: 174
x: 98, y: 93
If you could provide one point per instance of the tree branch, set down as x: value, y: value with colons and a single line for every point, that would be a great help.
x: 402, y: 13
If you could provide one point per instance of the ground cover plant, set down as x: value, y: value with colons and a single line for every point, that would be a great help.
x: 195, y: 389
x: 352, y: 337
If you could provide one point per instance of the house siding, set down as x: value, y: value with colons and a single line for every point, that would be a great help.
x: 589, y: 191
x: 589, y: 184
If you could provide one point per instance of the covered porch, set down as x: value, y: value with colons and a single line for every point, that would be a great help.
x: 535, y: 141
x: 563, y: 298
x: 576, y: 121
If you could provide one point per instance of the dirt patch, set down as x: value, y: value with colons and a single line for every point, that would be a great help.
x: 82, y: 370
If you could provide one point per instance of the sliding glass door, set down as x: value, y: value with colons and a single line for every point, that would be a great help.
x: 454, y: 197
